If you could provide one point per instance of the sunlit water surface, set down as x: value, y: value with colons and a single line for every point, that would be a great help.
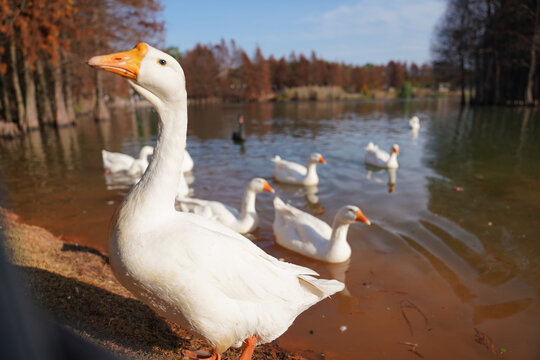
x: 454, y: 241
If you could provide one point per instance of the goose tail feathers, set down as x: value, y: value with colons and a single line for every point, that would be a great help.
x: 325, y: 287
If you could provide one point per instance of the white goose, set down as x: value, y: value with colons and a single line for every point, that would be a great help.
x: 380, y: 158
x: 242, y: 222
x: 182, y: 188
x: 192, y: 270
x: 293, y: 173
x: 303, y: 233
x: 187, y: 164
x: 414, y: 123
x: 116, y: 162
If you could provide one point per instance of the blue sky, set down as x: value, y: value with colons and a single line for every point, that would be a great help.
x: 356, y: 32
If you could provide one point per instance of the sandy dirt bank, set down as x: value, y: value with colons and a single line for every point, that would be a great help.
x: 76, y: 285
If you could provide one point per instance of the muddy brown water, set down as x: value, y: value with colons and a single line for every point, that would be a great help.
x: 453, y: 248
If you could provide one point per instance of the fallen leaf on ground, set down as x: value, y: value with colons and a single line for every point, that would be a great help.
x: 485, y: 340
x: 412, y: 348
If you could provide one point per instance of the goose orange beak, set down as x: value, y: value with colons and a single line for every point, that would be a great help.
x: 360, y: 217
x: 321, y: 160
x: 125, y: 63
x: 267, y: 187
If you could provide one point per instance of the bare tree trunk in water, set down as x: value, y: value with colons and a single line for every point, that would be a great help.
x: 488, y: 82
x: 70, y: 108
x: 532, y: 66
x: 31, y: 112
x: 101, y: 113
x: 44, y: 100
x: 5, y: 99
x: 462, y: 68
x: 61, y: 118
x: 17, y: 85
x: 497, y: 79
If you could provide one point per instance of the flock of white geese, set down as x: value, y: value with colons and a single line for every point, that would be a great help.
x: 186, y: 257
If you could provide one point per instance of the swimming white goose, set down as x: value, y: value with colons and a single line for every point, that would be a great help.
x: 243, y: 222
x: 414, y: 123
x: 187, y: 164
x: 192, y: 270
x: 293, y: 173
x: 380, y: 158
x: 303, y: 233
x: 115, y: 162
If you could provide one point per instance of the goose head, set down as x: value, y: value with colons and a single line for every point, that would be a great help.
x: 259, y: 184
x: 395, y: 149
x: 316, y: 158
x: 350, y: 214
x: 154, y: 74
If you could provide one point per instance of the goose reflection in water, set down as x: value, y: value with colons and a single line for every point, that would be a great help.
x: 347, y: 302
x: 392, y: 176
x: 309, y: 193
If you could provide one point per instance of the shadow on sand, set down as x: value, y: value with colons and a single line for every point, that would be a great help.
x: 100, y: 314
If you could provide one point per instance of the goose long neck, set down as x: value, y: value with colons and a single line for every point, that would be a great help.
x: 248, y: 203
x: 155, y: 192
x: 143, y: 155
x: 339, y: 234
x: 311, y: 170
x: 392, y: 160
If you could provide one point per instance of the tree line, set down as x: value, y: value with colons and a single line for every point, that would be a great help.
x: 488, y: 49
x: 225, y: 72
x: 44, y: 45
x: 44, y: 80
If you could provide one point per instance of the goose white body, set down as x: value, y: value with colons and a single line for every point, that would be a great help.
x: 192, y: 270
x: 293, y: 173
x: 380, y: 158
x: 117, y: 162
x: 242, y: 222
x: 305, y: 234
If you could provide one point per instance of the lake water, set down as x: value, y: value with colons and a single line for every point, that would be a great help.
x: 453, y: 244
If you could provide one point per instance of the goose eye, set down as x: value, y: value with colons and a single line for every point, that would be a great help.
x: 162, y: 62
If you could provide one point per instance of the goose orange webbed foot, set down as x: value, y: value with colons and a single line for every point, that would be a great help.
x: 200, y: 354
x: 248, y: 347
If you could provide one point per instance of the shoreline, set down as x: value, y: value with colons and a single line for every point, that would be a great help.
x: 76, y: 286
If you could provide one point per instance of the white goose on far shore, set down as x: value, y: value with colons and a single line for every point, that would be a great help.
x: 305, y: 234
x: 380, y: 158
x: 293, y: 173
x: 242, y: 222
x: 414, y: 123
x: 192, y: 270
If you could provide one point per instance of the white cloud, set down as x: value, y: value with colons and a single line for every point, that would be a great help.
x: 377, y: 17
x: 400, y: 27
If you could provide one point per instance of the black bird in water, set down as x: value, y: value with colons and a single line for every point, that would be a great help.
x: 239, y: 135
